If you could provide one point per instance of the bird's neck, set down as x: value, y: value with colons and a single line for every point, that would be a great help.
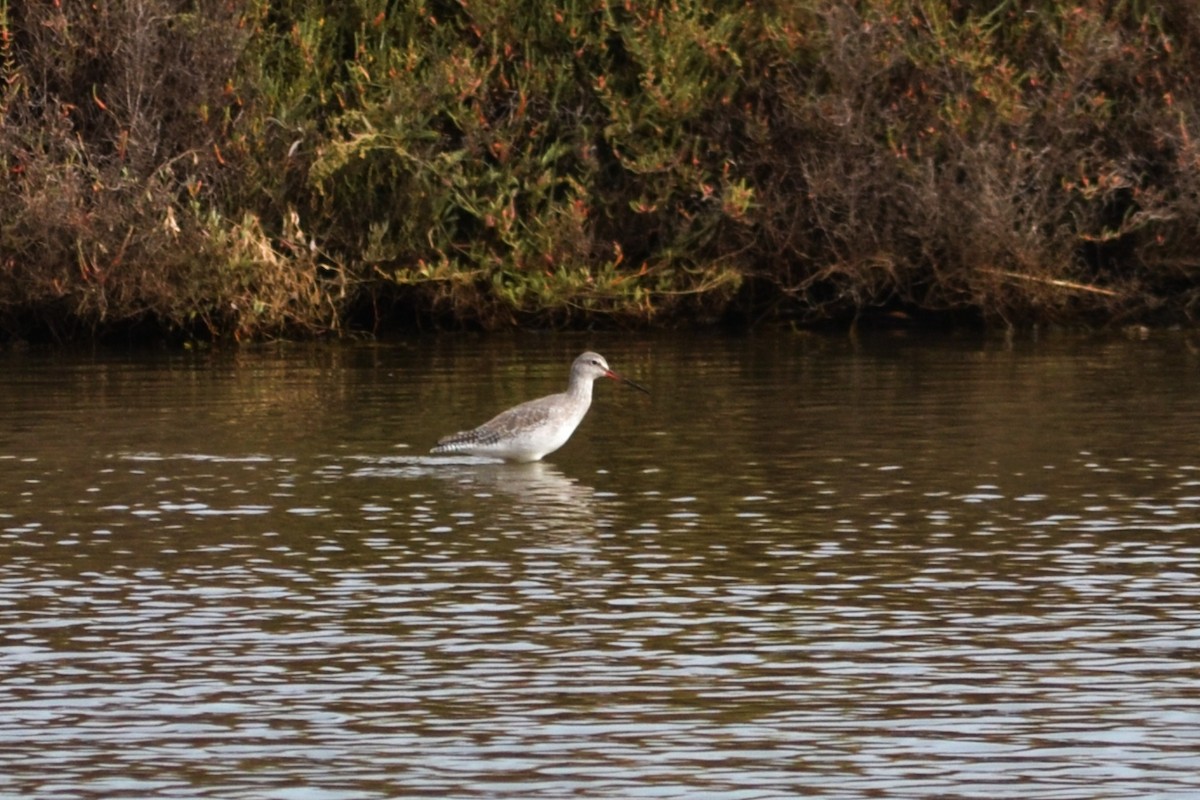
x: 580, y: 390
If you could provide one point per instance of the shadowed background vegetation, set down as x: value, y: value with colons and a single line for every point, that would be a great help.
x: 291, y: 167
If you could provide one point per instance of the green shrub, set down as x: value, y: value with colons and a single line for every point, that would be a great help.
x: 275, y: 167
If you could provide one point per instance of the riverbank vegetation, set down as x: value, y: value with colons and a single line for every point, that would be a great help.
x: 290, y: 167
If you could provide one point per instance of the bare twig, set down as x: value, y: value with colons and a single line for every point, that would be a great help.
x: 1072, y: 286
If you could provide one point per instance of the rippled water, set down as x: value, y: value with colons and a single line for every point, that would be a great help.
x: 802, y: 567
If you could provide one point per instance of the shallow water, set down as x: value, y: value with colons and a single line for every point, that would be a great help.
x: 804, y: 566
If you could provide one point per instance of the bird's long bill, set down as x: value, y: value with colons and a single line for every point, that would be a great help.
x: 623, y: 379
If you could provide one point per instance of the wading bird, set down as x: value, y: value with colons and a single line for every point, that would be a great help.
x: 535, y: 428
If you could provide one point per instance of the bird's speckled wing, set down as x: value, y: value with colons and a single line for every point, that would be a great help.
x: 503, y: 426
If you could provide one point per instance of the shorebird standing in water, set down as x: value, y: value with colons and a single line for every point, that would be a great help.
x: 535, y: 428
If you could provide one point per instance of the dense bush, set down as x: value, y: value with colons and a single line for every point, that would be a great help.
x: 121, y: 152
x: 1034, y: 160
x: 289, y: 166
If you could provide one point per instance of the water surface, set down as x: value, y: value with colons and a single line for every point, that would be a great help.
x: 804, y: 566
